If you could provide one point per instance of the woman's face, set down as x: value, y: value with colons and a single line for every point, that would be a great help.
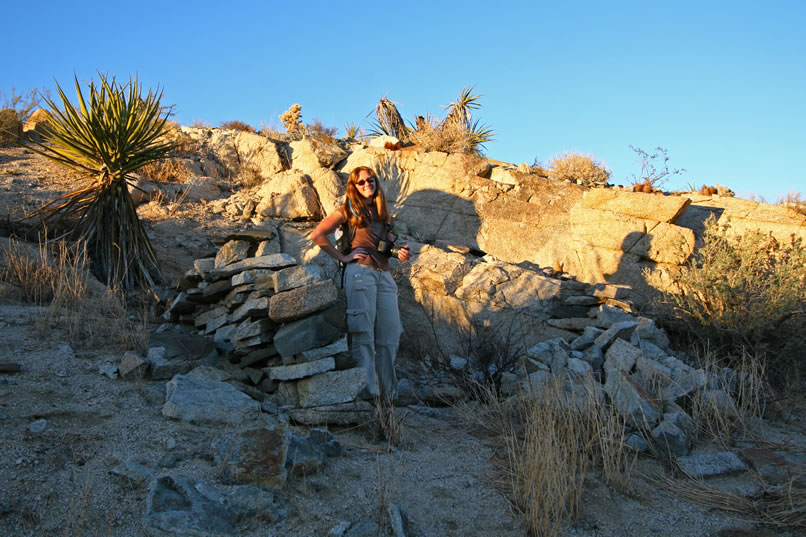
x: 365, y: 184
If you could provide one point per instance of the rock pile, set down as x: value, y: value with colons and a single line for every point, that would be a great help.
x: 628, y: 361
x: 280, y: 323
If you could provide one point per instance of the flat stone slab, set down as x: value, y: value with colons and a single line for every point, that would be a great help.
x: 196, y: 399
x: 311, y: 332
x: 622, y: 356
x: 331, y: 388
x: 636, y: 204
x: 577, y: 324
x: 292, y: 277
x: 303, y: 301
x: 342, y: 414
x: 711, y: 464
x: 333, y: 349
x: 299, y: 371
x: 264, y: 276
x: 271, y: 261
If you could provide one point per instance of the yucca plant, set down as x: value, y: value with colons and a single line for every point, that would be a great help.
x: 389, y: 120
x: 352, y: 131
x: 478, y: 135
x: 460, y: 111
x: 109, y: 136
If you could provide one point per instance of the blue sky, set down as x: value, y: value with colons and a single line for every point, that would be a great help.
x: 719, y: 85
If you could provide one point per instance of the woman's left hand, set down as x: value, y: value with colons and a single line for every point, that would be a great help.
x: 404, y: 254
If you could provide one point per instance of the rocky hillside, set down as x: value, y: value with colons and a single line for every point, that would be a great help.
x: 239, y: 416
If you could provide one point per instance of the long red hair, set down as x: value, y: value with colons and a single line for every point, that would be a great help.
x: 356, y: 207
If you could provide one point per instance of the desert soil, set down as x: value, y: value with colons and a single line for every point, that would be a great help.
x: 57, y: 482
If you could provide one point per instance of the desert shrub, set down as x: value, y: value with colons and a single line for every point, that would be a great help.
x: 317, y: 128
x: 10, y: 127
x: 655, y: 170
x: 23, y: 103
x: 578, y: 167
x: 792, y: 200
x: 292, y: 121
x: 165, y: 171
x: 237, y: 125
x: 745, y: 291
x: 201, y: 124
x: 435, y: 135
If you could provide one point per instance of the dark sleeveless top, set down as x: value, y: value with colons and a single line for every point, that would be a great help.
x: 367, y: 237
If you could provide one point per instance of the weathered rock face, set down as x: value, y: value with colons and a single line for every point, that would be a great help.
x: 289, y: 195
x: 37, y: 124
x: 312, y: 153
x: 240, y: 151
x: 596, y: 234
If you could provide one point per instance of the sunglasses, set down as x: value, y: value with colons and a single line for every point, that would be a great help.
x: 362, y: 182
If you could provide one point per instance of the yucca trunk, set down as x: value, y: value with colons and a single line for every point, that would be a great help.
x: 119, y: 247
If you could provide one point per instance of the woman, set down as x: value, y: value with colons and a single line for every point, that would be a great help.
x: 373, y: 318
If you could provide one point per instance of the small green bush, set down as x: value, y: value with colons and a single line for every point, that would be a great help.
x: 576, y: 167
x: 746, y: 292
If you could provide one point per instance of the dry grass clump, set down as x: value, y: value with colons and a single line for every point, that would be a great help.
x: 792, y: 200
x: 237, y: 125
x: 58, y: 276
x: 435, y: 135
x: 271, y: 131
x: 317, y: 128
x: 165, y: 171
x: 736, y: 397
x: 746, y: 291
x: 552, y: 438
x: 782, y: 507
x: 577, y: 167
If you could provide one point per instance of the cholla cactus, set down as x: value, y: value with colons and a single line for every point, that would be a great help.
x: 291, y: 121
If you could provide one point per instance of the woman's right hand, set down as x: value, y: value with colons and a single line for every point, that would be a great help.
x: 359, y: 254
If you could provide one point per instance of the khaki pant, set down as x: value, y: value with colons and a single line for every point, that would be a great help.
x: 373, y: 320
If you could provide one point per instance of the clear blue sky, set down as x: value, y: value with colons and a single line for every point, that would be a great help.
x: 720, y: 85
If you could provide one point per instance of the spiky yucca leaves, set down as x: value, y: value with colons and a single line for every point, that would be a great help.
x: 460, y: 111
x: 478, y: 135
x: 110, y: 135
x: 389, y: 120
x: 351, y: 131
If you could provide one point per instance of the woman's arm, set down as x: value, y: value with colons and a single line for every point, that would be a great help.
x: 325, y: 228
